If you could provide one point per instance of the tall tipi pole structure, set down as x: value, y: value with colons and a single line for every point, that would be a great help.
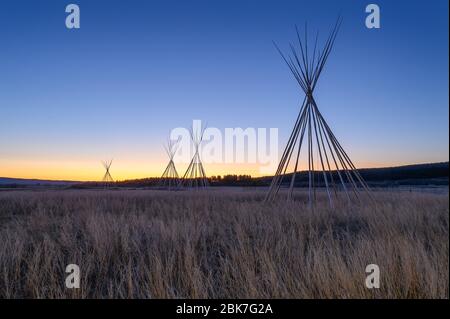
x: 195, y: 176
x: 335, y: 170
x: 170, y: 178
x: 107, y: 178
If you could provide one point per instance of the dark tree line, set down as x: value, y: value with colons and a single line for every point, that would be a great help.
x: 422, y: 174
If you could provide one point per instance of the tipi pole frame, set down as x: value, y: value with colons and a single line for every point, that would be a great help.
x: 307, y: 69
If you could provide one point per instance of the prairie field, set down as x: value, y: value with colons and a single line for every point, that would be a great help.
x: 221, y: 243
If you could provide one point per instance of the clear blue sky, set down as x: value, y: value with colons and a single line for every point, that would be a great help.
x: 136, y: 69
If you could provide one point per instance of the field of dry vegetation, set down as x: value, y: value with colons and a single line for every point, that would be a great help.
x: 220, y: 244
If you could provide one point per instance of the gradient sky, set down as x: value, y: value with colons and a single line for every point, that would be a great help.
x: 137, y: 69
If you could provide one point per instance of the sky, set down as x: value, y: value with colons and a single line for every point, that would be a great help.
x: 114, y: 89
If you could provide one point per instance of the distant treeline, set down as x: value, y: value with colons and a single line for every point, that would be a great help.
x: 226, y: 180
x: 422, y: 174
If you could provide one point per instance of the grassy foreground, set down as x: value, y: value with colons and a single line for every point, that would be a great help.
x: 220, y: 244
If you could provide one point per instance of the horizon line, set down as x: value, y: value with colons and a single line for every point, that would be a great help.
x: 263, y: 176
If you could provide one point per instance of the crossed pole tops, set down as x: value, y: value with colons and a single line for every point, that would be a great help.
x: 197, y: 138
x: 305, y: 64
x: 107, y: 165
x: 171, y: 148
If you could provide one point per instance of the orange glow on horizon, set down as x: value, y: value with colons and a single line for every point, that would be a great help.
x: 123, y: 170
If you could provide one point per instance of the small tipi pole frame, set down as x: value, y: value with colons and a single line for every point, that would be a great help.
x: 195, y: 176
x: 107, y: 178
x: 170, y: 178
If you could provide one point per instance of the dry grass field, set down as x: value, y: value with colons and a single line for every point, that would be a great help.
x: 220, y: 244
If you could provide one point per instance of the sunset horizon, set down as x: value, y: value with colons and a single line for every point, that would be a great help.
x: 77, y: 101
x: 117, y: 171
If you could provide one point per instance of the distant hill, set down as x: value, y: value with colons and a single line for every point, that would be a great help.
x: 418, y: 174
x: 20, y: 182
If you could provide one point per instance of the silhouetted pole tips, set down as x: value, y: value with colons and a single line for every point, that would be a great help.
x: 306, y: 66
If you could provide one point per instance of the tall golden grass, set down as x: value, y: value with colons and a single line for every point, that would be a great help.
x: 220, y: 244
